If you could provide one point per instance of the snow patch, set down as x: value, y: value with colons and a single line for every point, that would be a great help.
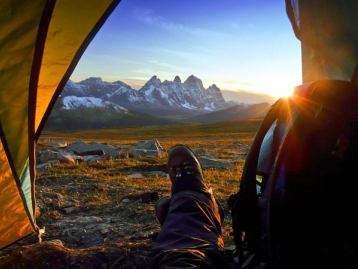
x: 70, y: 102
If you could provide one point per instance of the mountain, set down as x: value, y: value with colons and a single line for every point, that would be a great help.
x: 155, y: 97
x: 81, y: 113
x: 74, y: 102
x: 247, y: 97
x: 238, y: 112
x: 94, y: 103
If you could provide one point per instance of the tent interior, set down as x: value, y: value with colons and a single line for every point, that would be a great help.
x: 43, y: 40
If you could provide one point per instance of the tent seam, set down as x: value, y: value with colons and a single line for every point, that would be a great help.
x: 33, y: 86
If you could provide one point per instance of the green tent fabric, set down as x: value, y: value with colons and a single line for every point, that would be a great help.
x: 41, y: 41
x: 329, y: 34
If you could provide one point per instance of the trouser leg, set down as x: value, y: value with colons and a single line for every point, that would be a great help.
x: 191, y: 233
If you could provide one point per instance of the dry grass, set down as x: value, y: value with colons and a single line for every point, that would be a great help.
x: 97, y: 193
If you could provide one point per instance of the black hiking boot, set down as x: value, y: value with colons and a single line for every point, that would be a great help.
x: 186, y: 175
x: 185, y: 170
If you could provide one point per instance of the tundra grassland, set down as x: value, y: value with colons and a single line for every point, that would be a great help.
x: 112, y: 202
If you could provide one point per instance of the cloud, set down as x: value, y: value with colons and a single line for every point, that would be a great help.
x: 149, y: 17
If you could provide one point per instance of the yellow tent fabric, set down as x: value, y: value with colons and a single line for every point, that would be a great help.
x: 41, y: 41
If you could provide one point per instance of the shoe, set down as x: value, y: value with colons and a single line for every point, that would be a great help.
x: 185, y: 170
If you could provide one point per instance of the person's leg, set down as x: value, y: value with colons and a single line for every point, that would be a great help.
x: 191, y: 219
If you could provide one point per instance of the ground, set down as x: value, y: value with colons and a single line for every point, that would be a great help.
x: 103, y: 213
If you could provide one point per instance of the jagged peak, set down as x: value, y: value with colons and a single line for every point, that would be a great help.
x: 213, y: 87
x: 92, y: 80
x: 153, y: 82
x: 192, y: 78
x: 177, y: 79
x: 194, y: 81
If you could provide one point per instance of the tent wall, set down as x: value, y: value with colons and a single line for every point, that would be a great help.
x: 41, y: 42
x: 72, y: 22
x: 329, y: 34
x: 14, y: 220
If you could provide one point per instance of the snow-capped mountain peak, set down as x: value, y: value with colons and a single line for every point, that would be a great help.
x: 194, y: 82
x: 177, y: 79
x: 73, y: 102
x: 190, y: 96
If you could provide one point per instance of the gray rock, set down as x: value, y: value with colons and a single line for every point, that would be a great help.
x: 44, y: 166
x: 156, y: 174
x: 92, y: 158
x: 215, y: 163
x: 135, y: 175
x: 49, y: 155
x: 126, y: 200
x: 148, y: 148
x: 59, y: 144
x: 82, y: 148
x: 200, y: 151
x: 69, y: 210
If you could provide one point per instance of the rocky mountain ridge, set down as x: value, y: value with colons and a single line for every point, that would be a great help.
x: 188, y: 96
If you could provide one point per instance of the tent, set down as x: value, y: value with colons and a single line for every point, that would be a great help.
x: 41, y: 42
x: 328, y: 30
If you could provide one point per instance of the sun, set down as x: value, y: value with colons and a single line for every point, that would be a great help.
x: 281, y: 90
x: 277, y: 89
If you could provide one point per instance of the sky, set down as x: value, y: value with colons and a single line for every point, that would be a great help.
x: 236, y: 44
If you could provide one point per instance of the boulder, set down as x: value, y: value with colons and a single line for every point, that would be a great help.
x: 136, y: 175
x: 91, y: 158
x: 200, y: 151
x: 156, y: 174
x: 81, y: 148
x: 49, y: 155
x: 148, y: 148
x: 99, y: 152
x: 44, y: 166
x: 59, y: 144
x: 215, y: 163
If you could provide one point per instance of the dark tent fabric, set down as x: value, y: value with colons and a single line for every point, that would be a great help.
x: 328, y: 30
x: 41, y: 41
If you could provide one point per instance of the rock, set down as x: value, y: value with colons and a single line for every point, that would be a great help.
x: 200, y: 151
x: 99, y: 152
x: 50, y: 155
x: 148, y: 148
x: 215, y: 163
x: 148, y: 197
x: 83, y: 148
x: 126, y: 200
x: 135, y: 175
x: 44, y: 166
x: 92, y: 158
x: 69, y: 210
x: 88, y: 219
x: 58, y: 201
x: 145, y: 197
x: 59, y: 144
x: 156, y: 174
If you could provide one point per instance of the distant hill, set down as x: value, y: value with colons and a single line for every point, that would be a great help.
x: 247, y: 97
x: 238, y: 112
